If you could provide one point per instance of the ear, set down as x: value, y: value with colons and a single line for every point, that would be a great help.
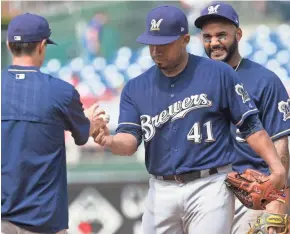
x: 7, y: 44
x: 239, y: 34
x: 186, y: 39
x: 42, y: 46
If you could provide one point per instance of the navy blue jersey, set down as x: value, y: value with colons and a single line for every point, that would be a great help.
x: 185, y: 120
x: 272, y: 101
x: 36, y: 110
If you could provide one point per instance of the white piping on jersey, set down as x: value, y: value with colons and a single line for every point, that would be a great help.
x: 280, y: 133
x: 130, y: 124
x: 18, y: 70
x: 248, y: 111
x: 242, y: 119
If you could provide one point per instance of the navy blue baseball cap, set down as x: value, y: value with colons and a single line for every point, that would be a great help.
x: 217, y: 10
x: 29, y: 28
x: 164, y: 25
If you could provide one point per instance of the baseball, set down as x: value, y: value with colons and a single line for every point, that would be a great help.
x: 105, y: 117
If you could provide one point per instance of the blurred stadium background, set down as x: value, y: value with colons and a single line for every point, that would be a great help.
x: 97, y: 53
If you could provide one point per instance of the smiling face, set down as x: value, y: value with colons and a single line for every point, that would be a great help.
x: 220, y: 39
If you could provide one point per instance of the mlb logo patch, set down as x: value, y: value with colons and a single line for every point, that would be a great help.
x: 17, y: 38
x: 20, y: 76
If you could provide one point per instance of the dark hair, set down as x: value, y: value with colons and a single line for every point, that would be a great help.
x: 19, y: 49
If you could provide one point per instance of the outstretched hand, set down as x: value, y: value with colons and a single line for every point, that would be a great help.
x: 102, y: 137
x: 95, y: 117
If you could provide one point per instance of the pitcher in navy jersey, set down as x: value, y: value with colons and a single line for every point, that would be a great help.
x: 183, y: 107
x: 221, y: 35
x: 36, y: 109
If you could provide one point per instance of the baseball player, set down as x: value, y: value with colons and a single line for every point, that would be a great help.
x: 36, y: 109
x: 221, y: 34
x: 182, y: 107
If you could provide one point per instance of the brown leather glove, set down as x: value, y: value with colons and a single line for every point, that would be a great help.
x: 253, y: 189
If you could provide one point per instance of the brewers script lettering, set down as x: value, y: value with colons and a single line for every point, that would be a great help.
x: 175, y: 111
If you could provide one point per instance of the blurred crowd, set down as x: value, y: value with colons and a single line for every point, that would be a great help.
x: 101, y: 79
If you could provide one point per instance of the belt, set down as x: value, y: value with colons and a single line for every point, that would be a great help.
x: 191, y: 176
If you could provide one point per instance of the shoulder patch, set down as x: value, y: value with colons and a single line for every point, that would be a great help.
x: 284, y: 107
x: 242, y: 92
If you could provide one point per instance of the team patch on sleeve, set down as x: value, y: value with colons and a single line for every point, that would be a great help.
x: 240, y: 90
x: 284, y: 108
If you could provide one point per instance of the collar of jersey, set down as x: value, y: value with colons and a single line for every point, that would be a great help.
x: 23, y: 68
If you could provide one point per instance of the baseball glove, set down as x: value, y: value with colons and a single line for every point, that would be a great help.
x: 267, y: 220
x: 253, y: 189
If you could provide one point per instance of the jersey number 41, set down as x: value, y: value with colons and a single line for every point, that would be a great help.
x: 195, y: 135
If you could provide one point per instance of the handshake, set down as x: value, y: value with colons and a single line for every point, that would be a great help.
x: 98, y: 124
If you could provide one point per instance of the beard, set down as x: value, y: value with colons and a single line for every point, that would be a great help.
x: 230, y: 50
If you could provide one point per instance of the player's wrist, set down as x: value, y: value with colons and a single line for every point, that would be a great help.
x: 109, y: 141
x: 92, y: 130
x: 278, y: 169
x: 278, y: 179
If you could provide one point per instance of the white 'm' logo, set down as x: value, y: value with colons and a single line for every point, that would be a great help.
x: 284, y: 107
x: 213, y: 9
x: 155, y: 25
